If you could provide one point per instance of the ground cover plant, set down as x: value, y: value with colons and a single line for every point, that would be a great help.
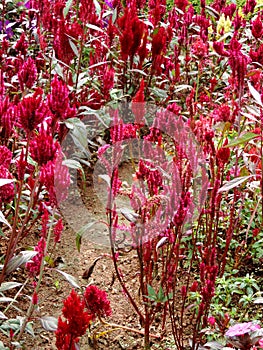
x: 171, y: 92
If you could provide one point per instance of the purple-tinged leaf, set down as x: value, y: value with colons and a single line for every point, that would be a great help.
x: 49, y: 323
x: 234, y: 183
x: 71, y: 279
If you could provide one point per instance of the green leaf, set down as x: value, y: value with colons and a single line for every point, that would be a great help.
x: 9, y: 285
x: 67, y: 8
x: 255, y: 94
x: 4, y: 182
x: 49, y: 323
x: 182, y: 87
x: 97, y: 7
x: 93, y: 27
x: 79, y: 134
x: 258, y: 300
x: 114, y: 15
x: 106, y: 178
x: 159, y: 92
x: 7, y: 300
x: 71, y: 122
x: 2, y: 347
x: 74, y: 48
x: 160, y: 295
x: 20, y: 259
x: 71, y: 279
x: 81, y: 232
x: 234, y: 183
x: 3, y: 220
x: 151, y: 292
x: 214, y: 345
x: 242, y: 139
x: 3, y: 316
x: 72, y: 164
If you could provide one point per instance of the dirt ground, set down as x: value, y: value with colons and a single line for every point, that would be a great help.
x: 55, y: 288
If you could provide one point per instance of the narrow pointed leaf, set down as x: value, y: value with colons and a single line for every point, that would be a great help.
x: 255, y: 94
x: 5, y: 181
x: 3, y: 317
x: 67, y: 8
x: 71, y: 279
x: 74, y: 48
x: 234, y: 183
x: 3, y: 220
x: 49, y: 323
x: 7, y: 300
x: 242, y: 139
x: 9, y: 285
x: 20, y: 259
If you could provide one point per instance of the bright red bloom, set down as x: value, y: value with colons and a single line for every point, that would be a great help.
x: 35, y: 298
x: 7, y: 117
x: 7, y: 191
x: 249, y: 6
x: 45, y: 221
x: 132, y: 31
x: 159, y: 42
x: 238, y: 62
x: 120, y: 131
x: 115, y: 183
x: 223, y: 155
x: 138, y: 104
x: 75, y: 325
x: 156, y: 11
x: 58, y: 230
x: 211, y: 320
x: 32, y: 111
x: 62, y: 47
x: 229, y: 10
x: 199, y: 49
x: 257, y: 56
x: 219, y: 48
x: 194, y: 286
x: 55, y: 176
x: 58, y: 100
x: 107, y: 82
x: 22, y: 45
x: 88, y: 12
x: 181, y: 4
x: 33, y: 266
x: 222, y: 114
x: 5, y: 156
x: 43, y: 148
x: 257, y: 28
x: 147, y: 171
x: 28, y: 74
x: 97, y: 302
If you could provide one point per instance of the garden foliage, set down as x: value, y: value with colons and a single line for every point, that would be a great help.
x: 173, y: 90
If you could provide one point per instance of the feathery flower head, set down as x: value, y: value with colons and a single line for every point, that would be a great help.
x: 28, y: 74
x: 7, y: 191
x: 34, y: 265
x: 32, y: 111
x: 5, y: 157
x: 76, y: 322
x: 97, y: 302
x: 42, y: 147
